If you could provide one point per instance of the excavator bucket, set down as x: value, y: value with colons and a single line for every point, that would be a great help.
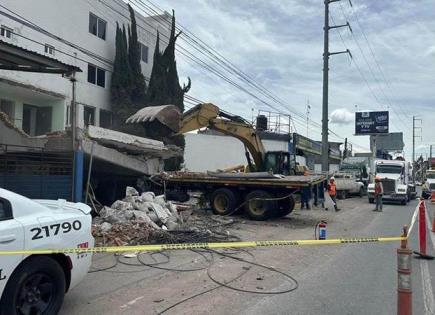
x: 167, y: 115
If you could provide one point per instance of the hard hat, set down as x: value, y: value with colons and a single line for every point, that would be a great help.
x: 332, y: 178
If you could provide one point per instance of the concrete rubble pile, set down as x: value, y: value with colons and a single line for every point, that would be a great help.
x: 153, y: 212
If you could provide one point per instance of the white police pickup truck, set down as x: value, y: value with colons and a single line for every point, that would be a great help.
x: 36, y: 284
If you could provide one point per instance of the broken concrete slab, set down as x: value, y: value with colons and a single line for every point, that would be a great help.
x: 131, y: 144
x: 131, y: 191
x: 148, y: 196
x: 106, y: 227
x: 122, y: 205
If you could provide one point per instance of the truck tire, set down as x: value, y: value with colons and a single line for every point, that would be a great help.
x: 37, y: 286
x: 404, y: 201
x: 285, y: 206
x: 371, y: 200
x: 259, y: 210
x: 223, y: 201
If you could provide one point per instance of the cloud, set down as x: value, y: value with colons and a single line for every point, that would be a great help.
x: 288, y: 60
x: 342, y: 116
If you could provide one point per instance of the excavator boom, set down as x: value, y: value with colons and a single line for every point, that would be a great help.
x: 205, y: 115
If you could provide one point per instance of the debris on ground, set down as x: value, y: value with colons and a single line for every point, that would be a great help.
x: 153, y: 210
x: 148, y: 219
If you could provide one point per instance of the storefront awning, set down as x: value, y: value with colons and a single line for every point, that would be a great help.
x: 19, y: 59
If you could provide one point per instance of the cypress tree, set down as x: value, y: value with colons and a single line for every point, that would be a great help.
x: 121, y: 81
x: 138, y: 85
x: 164, y: 88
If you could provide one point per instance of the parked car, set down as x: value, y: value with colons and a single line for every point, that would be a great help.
x: 347, y: 185
x: 36, y: 284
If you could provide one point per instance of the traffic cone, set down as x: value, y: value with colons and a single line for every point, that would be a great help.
x: 432, y: 197
x: 422, y: 231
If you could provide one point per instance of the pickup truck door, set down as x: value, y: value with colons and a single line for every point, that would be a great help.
x: 11, y: 238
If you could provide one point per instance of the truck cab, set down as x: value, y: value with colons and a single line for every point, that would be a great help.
x: 396, y: 179
x: 278, y: 162
x: 430, y: 183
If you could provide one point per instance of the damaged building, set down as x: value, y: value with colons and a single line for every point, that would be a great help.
x: 48, y: 86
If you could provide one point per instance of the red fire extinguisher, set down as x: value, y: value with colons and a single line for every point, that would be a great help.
x: 321, y: 228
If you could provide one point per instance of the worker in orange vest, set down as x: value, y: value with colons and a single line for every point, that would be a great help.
x: 379, y: 191
x: 332, y: 191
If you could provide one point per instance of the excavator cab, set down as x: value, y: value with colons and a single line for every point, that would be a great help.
x: 278, y: 162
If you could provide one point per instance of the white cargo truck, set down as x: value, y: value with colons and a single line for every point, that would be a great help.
x: 396, y: 178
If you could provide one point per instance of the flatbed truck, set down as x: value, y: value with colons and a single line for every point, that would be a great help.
x: 261, y: 197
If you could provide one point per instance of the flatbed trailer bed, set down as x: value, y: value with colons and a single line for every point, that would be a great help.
x: 261, y: 195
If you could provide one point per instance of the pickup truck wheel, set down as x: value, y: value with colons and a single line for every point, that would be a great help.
x: 285, y: 206
x: 257, y: 208
x: 223, y: 201
x: 36, y: 287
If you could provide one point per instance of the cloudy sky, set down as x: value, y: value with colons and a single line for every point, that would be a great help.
x: 280, y: 44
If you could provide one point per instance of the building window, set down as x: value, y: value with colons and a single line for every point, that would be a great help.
x: 49, y: 49
x: 144, y: 53
x: 97, y: 26
x: 105, y: 119
x: 96, y: 75
x: 8, y: 107
x: 37, y: 120
x: 89, y: 115
x: 6, y: 31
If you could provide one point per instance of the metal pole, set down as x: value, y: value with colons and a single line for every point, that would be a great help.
x: 430, y: 158
x: 73, y: 121
x: 325, y: 144
x: 91, y: 159
x: 413, y: 140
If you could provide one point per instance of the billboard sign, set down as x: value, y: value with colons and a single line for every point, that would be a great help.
x: 371, y: 123
x: 312, y: 146
x: 390, y: 142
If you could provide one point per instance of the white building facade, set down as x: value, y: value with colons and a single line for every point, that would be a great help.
x: 80, y: 33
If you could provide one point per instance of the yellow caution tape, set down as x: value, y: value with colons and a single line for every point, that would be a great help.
x: 181, y: 246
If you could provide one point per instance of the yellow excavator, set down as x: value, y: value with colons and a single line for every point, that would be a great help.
x: 210, y: 116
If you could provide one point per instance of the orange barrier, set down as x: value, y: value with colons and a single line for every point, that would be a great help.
x: 404, y: 288
x: 422, y: 231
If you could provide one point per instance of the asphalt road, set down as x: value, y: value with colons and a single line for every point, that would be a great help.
x: 346, y: 279
x: 359, y: 279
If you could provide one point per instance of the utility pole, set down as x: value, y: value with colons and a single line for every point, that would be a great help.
x: 326, y: 54
x: 414, y: 127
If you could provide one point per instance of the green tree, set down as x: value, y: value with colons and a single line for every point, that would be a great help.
x: 138, y: 85
x: 121, y: 80
x: 164, y: 88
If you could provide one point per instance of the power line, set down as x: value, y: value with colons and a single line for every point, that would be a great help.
x: 375, y: 59
x: 35, y: 27
x: 369, y: 65
x: 301, y: 116
x: 361, y: 73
